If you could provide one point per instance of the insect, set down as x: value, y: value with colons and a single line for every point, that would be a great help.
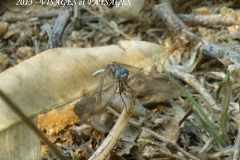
x: 117, y: 78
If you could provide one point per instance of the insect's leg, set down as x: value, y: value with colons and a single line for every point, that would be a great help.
x: 122, y: 91
x: 110, y: 71
x: 127, y: 86
x: 125, y: 83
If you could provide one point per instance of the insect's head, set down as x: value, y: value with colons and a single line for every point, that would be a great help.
x: 121, y: 74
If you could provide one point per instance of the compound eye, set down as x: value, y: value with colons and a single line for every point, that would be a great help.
x: 124, y: 74
x: 117, y: 74
x: 125, y: 71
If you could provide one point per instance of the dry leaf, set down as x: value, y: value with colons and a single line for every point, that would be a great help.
x: 59, y: 77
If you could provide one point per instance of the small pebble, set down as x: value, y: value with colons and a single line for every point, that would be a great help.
x: 3, y: 29
x: 4, y: 61
x: 25, y: 52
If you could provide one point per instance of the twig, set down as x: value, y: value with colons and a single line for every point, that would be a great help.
x: 217, y: 51
x: 131, y: 121
x: 172, y: 143
x: 210, y: 49
x: 70, y: 26
x: 111, y: 24
x: 38, y: 35
x: 37, y: 46
x: 189, y: 112
x: 237, y: 146
x: 191, y: 80
x: 204, y: 118
x: 25, y: 119
x: 207, y: 146
x: 164, y: 10
x: 58, y: 29
x: 208, y: 20
x: 117, y: 130
x: 155, y: 152
x: 46, y: 15
x: 222, y: 153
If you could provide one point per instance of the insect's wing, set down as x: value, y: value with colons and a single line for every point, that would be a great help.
x: 153, y: 89
x: 131, y: 69
x: 149, y: 87
x: 96, y: 105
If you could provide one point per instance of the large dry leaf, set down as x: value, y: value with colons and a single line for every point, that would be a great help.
x: 58, y: 77
x: 18, y: 142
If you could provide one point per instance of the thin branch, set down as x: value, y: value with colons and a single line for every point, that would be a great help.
x: 172, y: 143
x: 113, y: 25
x: 222, y: 153
x: 208, y: 20
x: 131, y: 121
x: 26, y: 120
x: 117, y: 130
x: 237, y: 146
x: 208, y: 145
x: 192, y: 81
x: 164, y: 10
x: 58, y: 29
